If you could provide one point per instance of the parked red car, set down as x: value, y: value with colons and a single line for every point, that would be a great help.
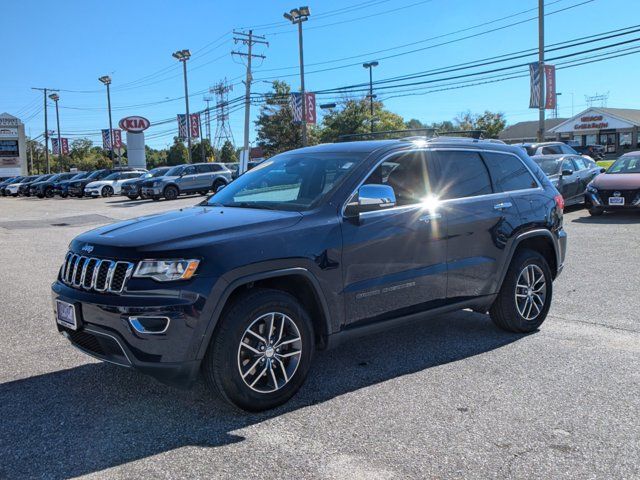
x: 616, y: 189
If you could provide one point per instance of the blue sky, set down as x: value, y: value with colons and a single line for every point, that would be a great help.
x: 69, y: 44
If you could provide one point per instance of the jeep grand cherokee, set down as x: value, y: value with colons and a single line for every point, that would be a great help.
x: 310, y: 247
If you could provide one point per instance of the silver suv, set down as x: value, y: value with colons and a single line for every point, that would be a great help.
x: 187, y: 178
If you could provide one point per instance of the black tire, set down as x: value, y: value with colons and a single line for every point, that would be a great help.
x: 217, y: 184
x: 595, y: 212
x: 107, y: 191
x: 64, y: 195
x: 132, y: 197
x: 155, y: 198
x: 505, y: 311
x: 221, y: 366
x: 49, y: 193
x: 171, y: 192
x: 40, y: 195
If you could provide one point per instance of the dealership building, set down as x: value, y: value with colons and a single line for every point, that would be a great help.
x: 13, y: 147
x: 614, y: 128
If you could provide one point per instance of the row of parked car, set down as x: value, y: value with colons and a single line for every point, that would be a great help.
x: 161, y: 182
x: 580, y: 180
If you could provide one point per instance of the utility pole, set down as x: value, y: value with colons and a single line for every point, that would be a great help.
x: 370, y: 66
x: 46, y: 125
x: 207, y: 117
x: 106, y: 80
x: 248, y: 39
x: 541, y: 69
x: 183, y: 56
x: 55, y: 97
x: 297, y: 16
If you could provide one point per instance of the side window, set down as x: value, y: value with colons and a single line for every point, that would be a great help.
x: 551, y: 150
x: 581, y: 163
x: 204, y: 168
x: 407, y: 174
x: 462, y: 174
x: 567, y: 149
x: 216, y: 168
x: 567, y: 164
x: 190, y: 170
x: 508, y: 172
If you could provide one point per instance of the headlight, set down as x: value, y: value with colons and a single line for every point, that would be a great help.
x: 591, y: 189
x: 166, y: 270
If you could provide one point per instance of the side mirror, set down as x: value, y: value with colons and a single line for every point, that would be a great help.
x: 371, y: 198
x: 567, y: 172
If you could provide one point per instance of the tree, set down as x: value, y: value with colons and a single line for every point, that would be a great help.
x: 354, y: 116
x: 275, y: 129
x: 177, y: 153
x: 80, y: 149
x: 196, y: 151
x: 228, y: 153
x: 489, y: 122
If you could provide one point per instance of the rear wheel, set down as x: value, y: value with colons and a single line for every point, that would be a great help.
x: 64, y: 195
x: 261, y: 351
x: 48, y: 192
x: 525, y: 297
x: 132, y: 197
x: 595, y: 212
x: 107, y: 191
x: 171, y: 192
x: 217, y: 184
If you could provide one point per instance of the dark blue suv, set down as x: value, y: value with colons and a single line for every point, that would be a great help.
x: 309, y: 248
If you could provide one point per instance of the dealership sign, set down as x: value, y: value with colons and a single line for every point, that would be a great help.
x: 134, y: 124
x: 8, y: 132
x: 591, y: 122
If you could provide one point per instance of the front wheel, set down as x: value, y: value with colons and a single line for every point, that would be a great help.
x: 260, y: 353
x: 171, y: 192
x: 132, y: 197
x: 107, y: 191
x: 525, y: 297
x: 595, y: 212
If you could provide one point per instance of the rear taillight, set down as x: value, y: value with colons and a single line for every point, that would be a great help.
x: 559, y: 202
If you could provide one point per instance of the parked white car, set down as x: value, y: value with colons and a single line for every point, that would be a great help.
x: 111, y: 184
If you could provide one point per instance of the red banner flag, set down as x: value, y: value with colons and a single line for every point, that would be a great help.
x: 65, y: 146
x: 195, y: 125
x: 310, y: 107
x: 550, y: 87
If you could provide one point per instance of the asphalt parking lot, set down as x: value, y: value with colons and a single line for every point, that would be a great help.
x: 451, y: 397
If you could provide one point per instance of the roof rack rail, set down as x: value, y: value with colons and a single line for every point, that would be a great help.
x: 390, y: 134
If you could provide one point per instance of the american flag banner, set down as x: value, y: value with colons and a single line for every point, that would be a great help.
x: 106, y: 139
x: 536, y: 83
x: 55, y: 148
x: 182, y: 126
x: 295, y: 103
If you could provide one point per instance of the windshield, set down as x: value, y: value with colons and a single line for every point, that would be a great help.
x: 95, y: 174
x: 156, y: 172
x: 113, y: 176
x: 626, y: 164
x: 549, y: 166
x: 55, y: 177
x: 290, y: 181
x: 78, y: 176
x: 175, y: 171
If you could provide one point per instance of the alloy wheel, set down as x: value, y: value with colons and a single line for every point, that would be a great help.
x: 269, y: 352
x: 531, y: 292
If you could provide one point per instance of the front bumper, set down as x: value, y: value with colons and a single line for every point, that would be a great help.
x: 596, y: 201
x: 105, y: 330
x: 92, y: 192
x: 151, y: 191
x: 130, y: 191
x: 76, y: 191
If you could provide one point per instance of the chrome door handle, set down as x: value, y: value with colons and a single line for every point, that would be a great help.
x: 502, y: 206
x: 431, y: 216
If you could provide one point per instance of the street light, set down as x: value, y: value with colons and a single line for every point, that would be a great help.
x: 297, y: 16
x: 55, y: 97
x: 556, y: 109
x: 106, y: 79
x: 370, y: 66
x: 183, y: 56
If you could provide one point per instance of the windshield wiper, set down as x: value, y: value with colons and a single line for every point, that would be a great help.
x: 248, y: 205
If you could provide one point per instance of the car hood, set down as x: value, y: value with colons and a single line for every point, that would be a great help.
x: 99, y: 183
x: 181, y: 229
x: 612, y: 181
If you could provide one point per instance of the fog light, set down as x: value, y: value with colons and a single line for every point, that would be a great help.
x: 149, y: 325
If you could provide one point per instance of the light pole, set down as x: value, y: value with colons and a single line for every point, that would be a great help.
x: 183, y: 56
x: 370, y: 66
x: 55, y: 97
x: 297, y: 16
x: 106, y: 79
x: 556, y: 109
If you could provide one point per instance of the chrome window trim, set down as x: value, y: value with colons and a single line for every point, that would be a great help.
x: 449, y: 200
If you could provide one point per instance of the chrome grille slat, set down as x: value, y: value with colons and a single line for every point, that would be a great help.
x: 84, y: 272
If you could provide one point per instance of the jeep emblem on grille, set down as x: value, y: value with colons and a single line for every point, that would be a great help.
x: 87, y: 248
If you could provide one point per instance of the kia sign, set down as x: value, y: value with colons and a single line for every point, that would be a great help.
x: 134, y: 124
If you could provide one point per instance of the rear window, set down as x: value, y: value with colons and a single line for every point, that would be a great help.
x: 204, y: 168
x: 508, y: 173
x: 462, y: 174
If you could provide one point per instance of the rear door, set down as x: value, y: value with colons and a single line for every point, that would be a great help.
x: 395, y: 259
x: 188, y: 182
x: 571, y: 184
x: 204, y: 179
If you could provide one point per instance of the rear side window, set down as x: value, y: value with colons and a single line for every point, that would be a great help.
x: 462, y: 174
x: 508, y: 173
x: 204, y: 168
x: 216, y: 168
x: 552, y: 150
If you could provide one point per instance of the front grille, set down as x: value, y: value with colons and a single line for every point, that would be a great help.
x: 85, y: 341
x: 90, y: 273
x: 148, y: 184
x: 629, y: 195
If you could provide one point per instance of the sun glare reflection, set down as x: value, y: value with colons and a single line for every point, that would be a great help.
x: 430, y: 203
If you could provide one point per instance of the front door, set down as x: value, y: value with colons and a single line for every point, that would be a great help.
x: 609, y: 142
x: 395, y: 260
